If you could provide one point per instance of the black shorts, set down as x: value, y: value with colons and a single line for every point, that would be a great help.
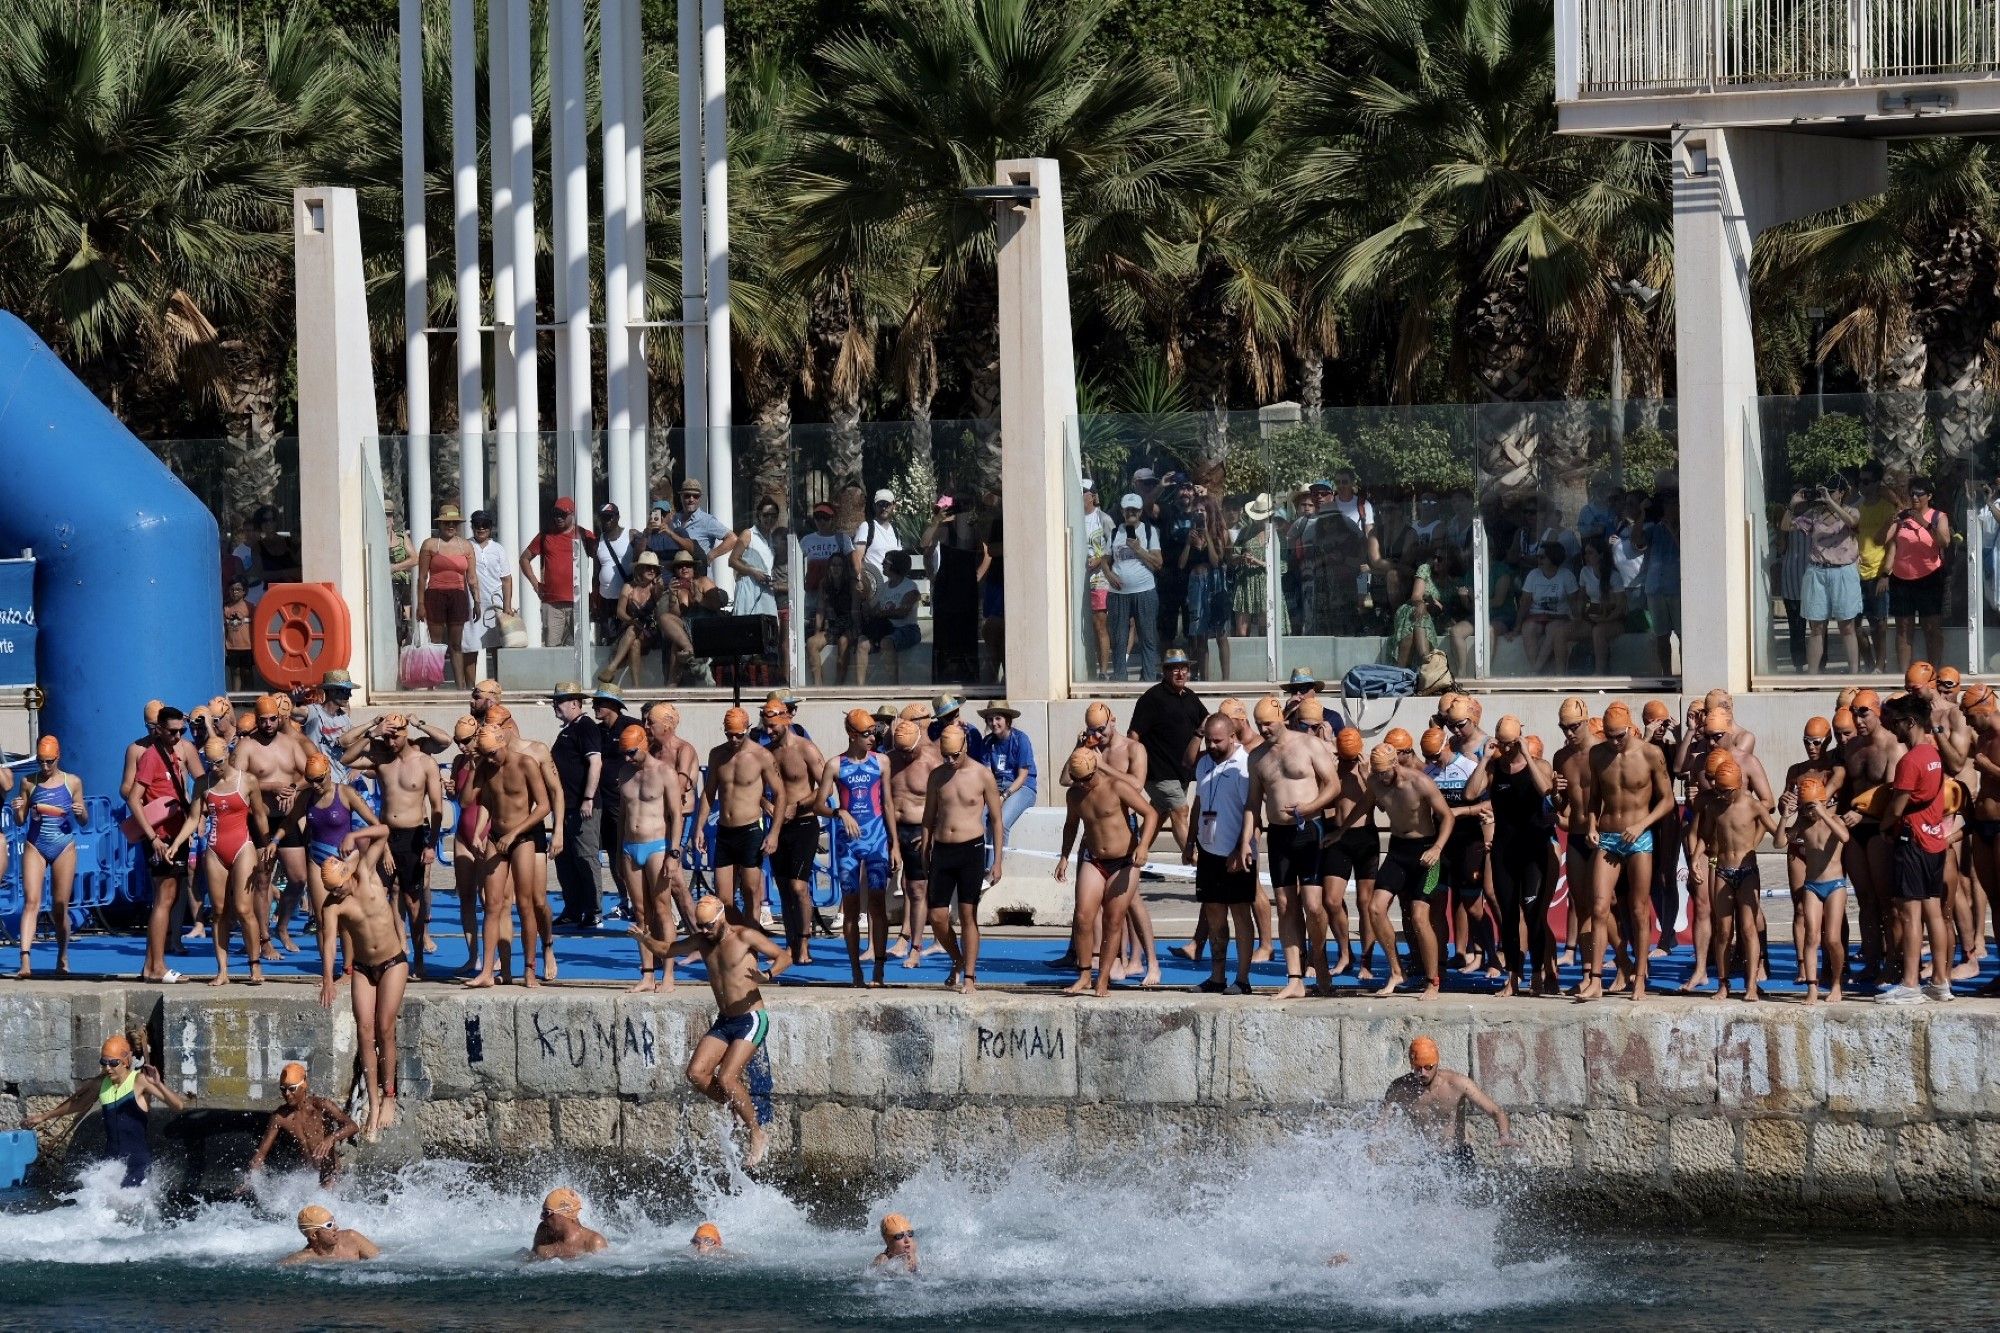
x: 1918, y: 597
x: 958, y: 873
x: 742, y: 845
x: 1463, y: 864
x: 1353, y: 857
x: 910, y: 842
x: 1215, y: 882
x: 1294, y: 852
x: 1403, y: 871
x: 1919, y: 874
x: 539, y: 836
x: 798, y: 844
x: 406, y: 855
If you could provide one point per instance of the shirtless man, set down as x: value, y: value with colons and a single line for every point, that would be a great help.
x: 508, y: 785
x: 742, y: 779
x: 412, y: 807
x: 1813, y: 853
x: 315, y: 1124
x: 852, y: 788
x: 1630, y: 793
x: 1821, y: 763
x: 649, y: 821
x: 1419, y: 825
x: 911, y: 763
x: 1870, y: 760
x: 730, y: 953
x: 357, y: 903
x: 799, y: 763
x: 274, y: 759
x: 561, y: 1233
x: 662, y: 722
x: 545, y: 836
x: 1434, y: 1100
x: 157, y: 785
x: 1101, y: 806
x: 327, y: 1243
x: 1733, y: 825
x: 1293, y: 782
x: 468, y: 871
x: 962, y: 808
x: 1572, y: 792
x: 1122, y: 756
x: 1352, y: 851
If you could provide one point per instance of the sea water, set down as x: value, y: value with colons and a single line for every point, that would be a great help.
x: 1164, y: 1237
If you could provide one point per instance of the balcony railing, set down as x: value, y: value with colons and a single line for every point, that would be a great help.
x: 1642, y: 47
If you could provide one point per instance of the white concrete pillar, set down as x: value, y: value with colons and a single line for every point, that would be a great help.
x: 715, y: 185
x: 416, y: 271
x: 1729, y: 186
x: 572, y: 195
x: 465, y: 252
x: 638, y: 382
x: 336, y: 399
x: 527, y: 389
x: 694, y: 255
x: 1037, y: 399
x: 617, y: 292
x: 499, y: 141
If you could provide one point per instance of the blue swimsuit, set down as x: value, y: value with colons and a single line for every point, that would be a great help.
x: 53, y: 834
x: 861, y: 797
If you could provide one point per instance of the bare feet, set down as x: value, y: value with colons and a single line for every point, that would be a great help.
x: 1390, y: 986
x: 256, y: 972
x: 1152, y: 977
x: 1432, y: 990
x: 1295, y: 989
x: 220, y: 979
x: 387, y: 1120
x: 1693, y: 984
x: 643, y: 986
x: 1079, y: 987
x: 898, y: 947
x: 1965, y: 971
x: 1262, y: 954
x: 1507, y: 991
x: 912, y: 958
x: 529, y: 979
x: 760, y: 1144
x: 969, y: 986
x: 951, y: 982
x: 480, y: 982
x: 1590, y: 989
x: 549, y: 964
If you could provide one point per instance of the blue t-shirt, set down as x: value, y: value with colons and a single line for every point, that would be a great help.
x: 975, y: 739
x: 1015, y: 754
x: 1663, y: 561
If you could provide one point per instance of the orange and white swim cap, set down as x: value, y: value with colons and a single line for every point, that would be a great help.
x: 317, y: 767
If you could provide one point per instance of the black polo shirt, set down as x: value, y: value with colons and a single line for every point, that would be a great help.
x: 579, y: 740
x: 1164, y: 722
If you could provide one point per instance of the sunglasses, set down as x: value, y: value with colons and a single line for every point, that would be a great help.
x: 291, y: 1087
x: 109, y: 1064
x: 1862, y: 712
x: 1425, y: 1069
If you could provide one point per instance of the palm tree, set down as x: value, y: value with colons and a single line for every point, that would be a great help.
x: 909, y: 115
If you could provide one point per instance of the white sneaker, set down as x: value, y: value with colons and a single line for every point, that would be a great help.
x: 1941, y: 993
x: 1900, y: 995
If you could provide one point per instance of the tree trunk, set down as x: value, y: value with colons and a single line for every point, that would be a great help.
x: 253, y: 442
x: 1896, y: 408
x: 771, y: 470
x: 1312, y: 385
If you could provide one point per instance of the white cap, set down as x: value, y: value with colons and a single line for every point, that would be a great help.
x: 885, y: 494
x: 1131, y: 502
x: 1143, y: 474
x: 1089, y: 485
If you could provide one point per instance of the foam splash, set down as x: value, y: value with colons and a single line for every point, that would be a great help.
x: 1158, y: 1227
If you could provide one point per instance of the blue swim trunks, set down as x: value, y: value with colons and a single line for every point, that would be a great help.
x: 1621, y: 845
x: 752, y: 1027
x: 1824, y: 889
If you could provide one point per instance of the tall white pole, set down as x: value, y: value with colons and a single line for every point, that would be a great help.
x: 573, y: 209
x: 617, y: 343
x: 721, y: 464
x: 465, y: 246
x: 416, y: 273
x: 638, y: 384
x: 527, y: 393
x: 499, y: 146
x: 558, y: 231
x: 694, y: 259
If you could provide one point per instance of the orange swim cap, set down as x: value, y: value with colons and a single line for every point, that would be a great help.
x: 465, y: 728
x: 313, y: 1217
x: 1311, y: 711
x: 707, y: 909
x: 1918, y: 674
x: 1097, y: 715
x: 1398, y: 739
x: 915, y: 713
x: 292, y: 1073
x: 1423, y: 1053
x: 1534, y: 746
x: 1233, y: 710
x: 215, y: 749
x: 153, y: 707
x: 1718, y: 720
x: 1348, y: 744
x: 736, y: 722
x: 1596, y: 728
x: 894, y: 1223
x: 246, y: 721
x: 1818, y: 728
x: 487, y: 686
x: 1654, y: 711
x: 1948, y: 678
x: 491, y: 740
x: 1843, y: 720
x: 1432, y: 743
x: 335, y: 873
x: 1978, y: 698
x: 1459, y: 709
x: 1811, y: 790
x: 1867, y: 699
x: 906, y: 735
x: 1382, y: 758
x: 563, y: 1200
x: 1617, y: 717
x: 707, y: 1234
x: 267, y: 705
x: 632, y: 737
x: 1269, y: 711
x: 1727, y: 775
x: 951, y: 740
x: 48, y: 747
x: 860, y: 721
x: 499, y: 715
x: 1573, y: 711
x: 1507, y: 728
x: 1717, y: 698
x: 1715, y: 760
x: 115, y: 1048
x: 317, y: 767
x: 1082, y: 763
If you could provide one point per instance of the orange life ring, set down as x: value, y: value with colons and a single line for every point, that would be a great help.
x: 300, y: 632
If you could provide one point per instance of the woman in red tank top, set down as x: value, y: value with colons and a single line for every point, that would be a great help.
x: 1917, y: 539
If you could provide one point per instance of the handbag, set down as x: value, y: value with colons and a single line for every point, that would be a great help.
x: 1434, y: 674
x: 421, y: 666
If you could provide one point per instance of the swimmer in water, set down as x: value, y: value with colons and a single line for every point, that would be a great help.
x: 123, y: 1094
x: 327, y: 1243
x: 899, y: 1247
x: 562, y: 1235
x: 315, y: 1124
x: 1430, y: 1096
x: 707, y: 1242
x: 730, y: 954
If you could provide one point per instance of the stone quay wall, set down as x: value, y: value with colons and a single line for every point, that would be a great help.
x: 1763, y: 1110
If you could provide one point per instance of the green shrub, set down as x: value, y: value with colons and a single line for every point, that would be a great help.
x: 1837, y: 442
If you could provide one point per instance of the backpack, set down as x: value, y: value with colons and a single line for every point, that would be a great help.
x: 1369, y: 681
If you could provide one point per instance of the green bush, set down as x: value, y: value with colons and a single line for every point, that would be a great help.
x: 1837, y: 442
x: 1410, y: 455
x: 1647, y: 452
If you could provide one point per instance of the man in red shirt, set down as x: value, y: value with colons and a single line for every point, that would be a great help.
x: 1915, y: 814
x: 555, y: 547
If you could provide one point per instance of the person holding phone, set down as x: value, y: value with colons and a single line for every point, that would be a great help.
x: 1135, y: 560
x: 1828, y: 527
